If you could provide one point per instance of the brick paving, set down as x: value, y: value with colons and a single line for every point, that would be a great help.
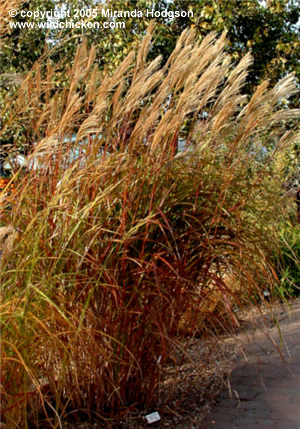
x: 264, y: 388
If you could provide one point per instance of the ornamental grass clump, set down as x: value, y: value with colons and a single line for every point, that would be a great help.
x: 123, y: 240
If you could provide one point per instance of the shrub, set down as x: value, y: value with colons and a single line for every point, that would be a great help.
x: 121, y: 236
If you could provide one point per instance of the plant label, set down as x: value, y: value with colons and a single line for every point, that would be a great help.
x: 153, y: 417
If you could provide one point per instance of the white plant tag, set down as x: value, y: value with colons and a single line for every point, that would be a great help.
x: 153, y: 417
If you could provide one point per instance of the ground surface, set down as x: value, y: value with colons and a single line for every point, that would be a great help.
x: 259, y: 389
x: 187, y: 390
x: 264, y: 387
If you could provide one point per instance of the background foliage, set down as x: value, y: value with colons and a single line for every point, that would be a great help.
x: 270, y: 31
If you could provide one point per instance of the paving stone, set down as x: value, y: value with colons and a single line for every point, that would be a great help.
x: 258, y: 412
x: 289, y: 412
x: 268, y: 387
x: 282, y: 382
x: 254, y: 405
x: 274, y: 395
x: 244, y: 380
x: 215, y: 425
x: 237, y: 412
x: 245, y: 423
x: 229, y: 402
x: 295, y: 398
x: 242, y: 392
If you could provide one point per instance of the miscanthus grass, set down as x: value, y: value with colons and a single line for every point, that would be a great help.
x: 122, y: 242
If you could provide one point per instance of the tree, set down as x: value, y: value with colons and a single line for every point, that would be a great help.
x: 269, y: 31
